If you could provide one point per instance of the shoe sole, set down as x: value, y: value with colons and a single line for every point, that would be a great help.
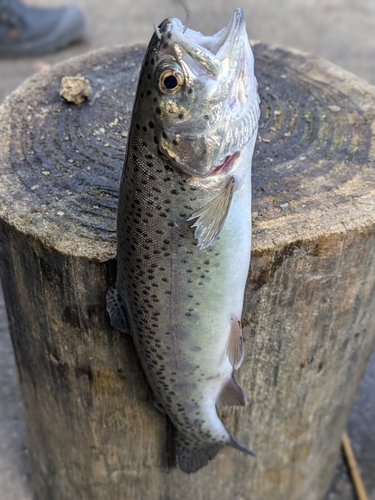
x: 69, y: 29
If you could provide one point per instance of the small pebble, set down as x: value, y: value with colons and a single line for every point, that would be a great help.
x: 46, y: 172
x: 34, y: 188
x: 60, y: 213
x: 334, y: 109
x: 75, y: 89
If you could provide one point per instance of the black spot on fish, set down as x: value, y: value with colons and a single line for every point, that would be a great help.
x: 158, y: 111
x: 155, y: 99
x: 138, y: 126
x: 144, y: 129
x: 181, y: 116
x: 151, y: 124
x: 152, y: 61
x: 148, y: 92
x: 156, y: 140
x: 175, y: 142
x: 190, y: 90
x: 206, y: 117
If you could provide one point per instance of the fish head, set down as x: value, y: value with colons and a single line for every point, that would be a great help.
x: 202, y: 94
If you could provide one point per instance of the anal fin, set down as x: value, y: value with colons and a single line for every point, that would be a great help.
x: 231, y: 394
x: 211, y: 217
x: 235, y: 344
x: 117, y: 311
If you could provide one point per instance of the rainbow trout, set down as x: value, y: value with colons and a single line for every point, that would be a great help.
x: 184, y: 227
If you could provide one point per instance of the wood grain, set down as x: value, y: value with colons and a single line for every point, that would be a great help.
x: 309, y: 314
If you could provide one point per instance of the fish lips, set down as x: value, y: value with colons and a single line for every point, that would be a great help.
x: 211, y: 51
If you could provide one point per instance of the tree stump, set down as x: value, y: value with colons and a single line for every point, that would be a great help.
x: 309, y: 313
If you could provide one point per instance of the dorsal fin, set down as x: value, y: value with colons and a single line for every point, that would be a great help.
x: 211, y: 217
x: 235, y: 344
x: 117, y: 311
x: 231, y: 394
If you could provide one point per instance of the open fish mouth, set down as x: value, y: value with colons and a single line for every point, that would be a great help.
x: 219, y: 43
x: 210, y: 51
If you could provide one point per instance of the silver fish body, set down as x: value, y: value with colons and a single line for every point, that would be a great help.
x: 184, y: 227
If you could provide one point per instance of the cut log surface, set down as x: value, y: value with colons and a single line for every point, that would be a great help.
x: 309, y: 312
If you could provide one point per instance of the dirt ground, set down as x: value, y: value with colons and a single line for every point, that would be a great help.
x: 342, y: 31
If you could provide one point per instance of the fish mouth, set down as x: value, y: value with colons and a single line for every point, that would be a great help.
x: 219, y: 43
x: 209, y: 51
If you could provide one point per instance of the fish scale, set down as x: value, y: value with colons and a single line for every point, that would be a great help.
x: 179, y: 291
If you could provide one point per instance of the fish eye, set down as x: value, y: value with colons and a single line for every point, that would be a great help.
x: 170, y: 78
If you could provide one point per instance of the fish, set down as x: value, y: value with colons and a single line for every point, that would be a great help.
x: 184, y: 227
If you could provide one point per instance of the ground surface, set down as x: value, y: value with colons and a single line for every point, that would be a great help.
x: 339, y: 30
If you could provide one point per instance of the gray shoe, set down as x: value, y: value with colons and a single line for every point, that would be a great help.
x: 30, y: 31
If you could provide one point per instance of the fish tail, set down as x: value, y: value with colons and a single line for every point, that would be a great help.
x: 193, y: 454
x: 238, y: 446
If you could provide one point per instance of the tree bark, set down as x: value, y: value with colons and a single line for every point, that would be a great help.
x: 309, y: 312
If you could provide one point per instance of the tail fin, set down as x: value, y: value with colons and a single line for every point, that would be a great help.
x: 193, y: 454
x: 238, y: 446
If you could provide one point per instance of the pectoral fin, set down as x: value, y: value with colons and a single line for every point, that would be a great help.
x: 117, y: 311
x: 231, y: 394
x: 235, y: 344
x: 211, y: 218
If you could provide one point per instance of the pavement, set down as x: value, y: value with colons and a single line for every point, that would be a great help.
x: 339, y: 30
